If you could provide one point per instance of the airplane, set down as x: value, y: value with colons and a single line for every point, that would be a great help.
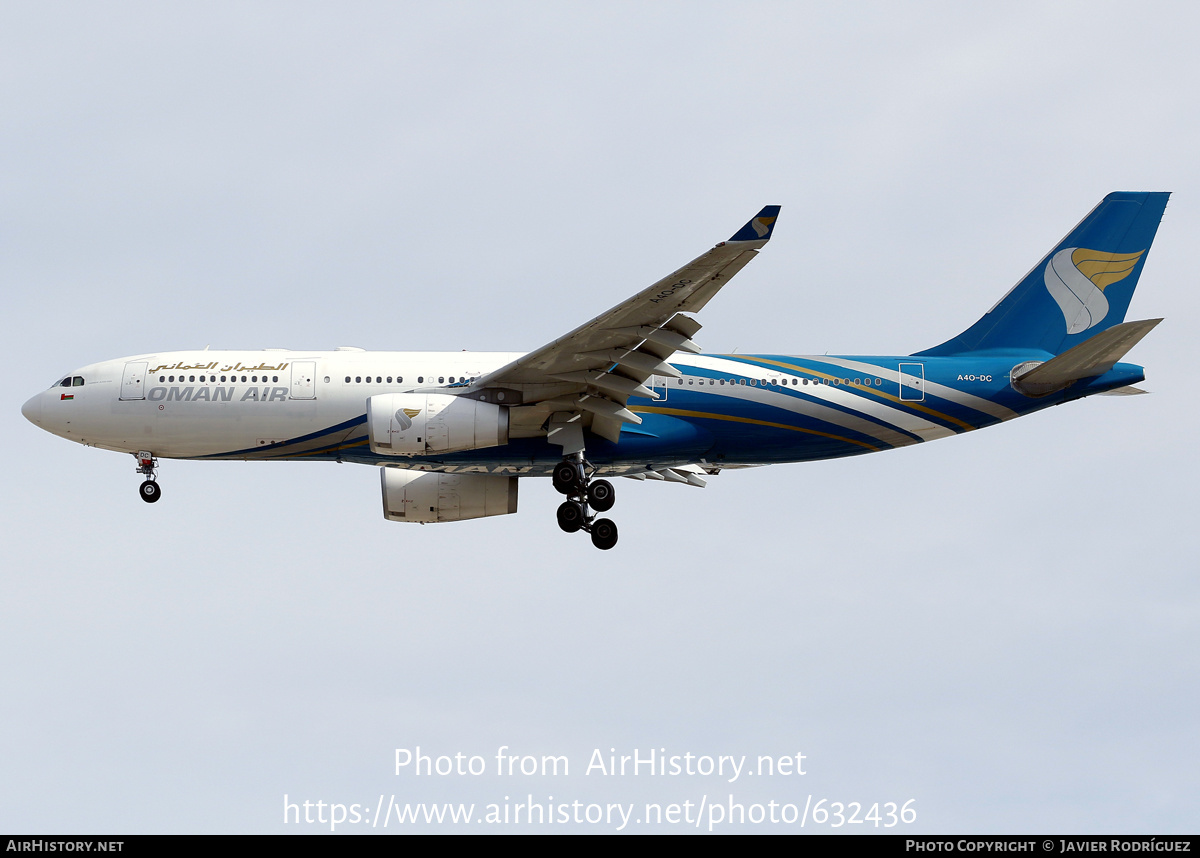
x: 626, y: 394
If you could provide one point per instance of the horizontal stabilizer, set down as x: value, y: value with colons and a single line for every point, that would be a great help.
x: 1094, y: 356
x: 1127, y: 390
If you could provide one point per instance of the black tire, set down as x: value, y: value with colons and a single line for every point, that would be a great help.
x: 566, y: 478
x: 604, y: 534
x: 571, y: 516
x: 601, y: 495
x: 150, y: 491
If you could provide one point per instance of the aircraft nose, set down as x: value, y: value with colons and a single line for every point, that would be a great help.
x: 33, y: 410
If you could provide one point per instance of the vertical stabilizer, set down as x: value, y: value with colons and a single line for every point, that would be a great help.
x: 1080, y: 288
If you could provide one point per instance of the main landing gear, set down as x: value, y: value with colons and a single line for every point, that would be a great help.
x: 147, y: 465
x: 572, y: 477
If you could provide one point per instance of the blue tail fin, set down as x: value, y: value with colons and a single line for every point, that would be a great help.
x: 1080, y: 288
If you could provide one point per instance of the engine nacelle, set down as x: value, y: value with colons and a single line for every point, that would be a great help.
x: 417, y: 424
x: 431, y: 496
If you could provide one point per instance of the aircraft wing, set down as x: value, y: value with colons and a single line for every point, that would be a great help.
x: 597, y: 367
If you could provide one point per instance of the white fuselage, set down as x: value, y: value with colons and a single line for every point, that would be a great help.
x: 205, y: 403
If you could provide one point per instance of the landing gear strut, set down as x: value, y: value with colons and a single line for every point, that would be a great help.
x: 573, y: 478
x: 147, y: 465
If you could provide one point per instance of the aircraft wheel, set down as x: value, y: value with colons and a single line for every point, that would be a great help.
x: 571, y: 516
x: 566, y: 478
x: 601, y: 495
x: 150, y: 491
x: 604, y: 534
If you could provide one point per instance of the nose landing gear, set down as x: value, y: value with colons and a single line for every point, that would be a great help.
x: 572, y: 477
x: 147, y: 465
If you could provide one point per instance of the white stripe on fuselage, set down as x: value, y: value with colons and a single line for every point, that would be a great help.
x: 897, y: 417
x: 931, y: 387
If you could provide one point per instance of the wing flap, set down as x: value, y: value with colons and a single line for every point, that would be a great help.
x: 663, y: 336
x: 637, y: 362
x: 610, y: 383
x: 690, y: 475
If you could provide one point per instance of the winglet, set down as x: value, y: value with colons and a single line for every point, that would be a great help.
x: 760, y: 226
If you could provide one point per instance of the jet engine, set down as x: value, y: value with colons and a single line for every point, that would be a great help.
x: 417, y: 424
x: 430, y: 496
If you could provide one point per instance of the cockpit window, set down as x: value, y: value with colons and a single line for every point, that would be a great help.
x: 77, y: 381
x: 66, y: 382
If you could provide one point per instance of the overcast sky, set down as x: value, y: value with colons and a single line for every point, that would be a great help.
x: 1003, y: 627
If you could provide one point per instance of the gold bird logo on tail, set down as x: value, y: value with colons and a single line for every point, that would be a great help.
x: 1077, y: 277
